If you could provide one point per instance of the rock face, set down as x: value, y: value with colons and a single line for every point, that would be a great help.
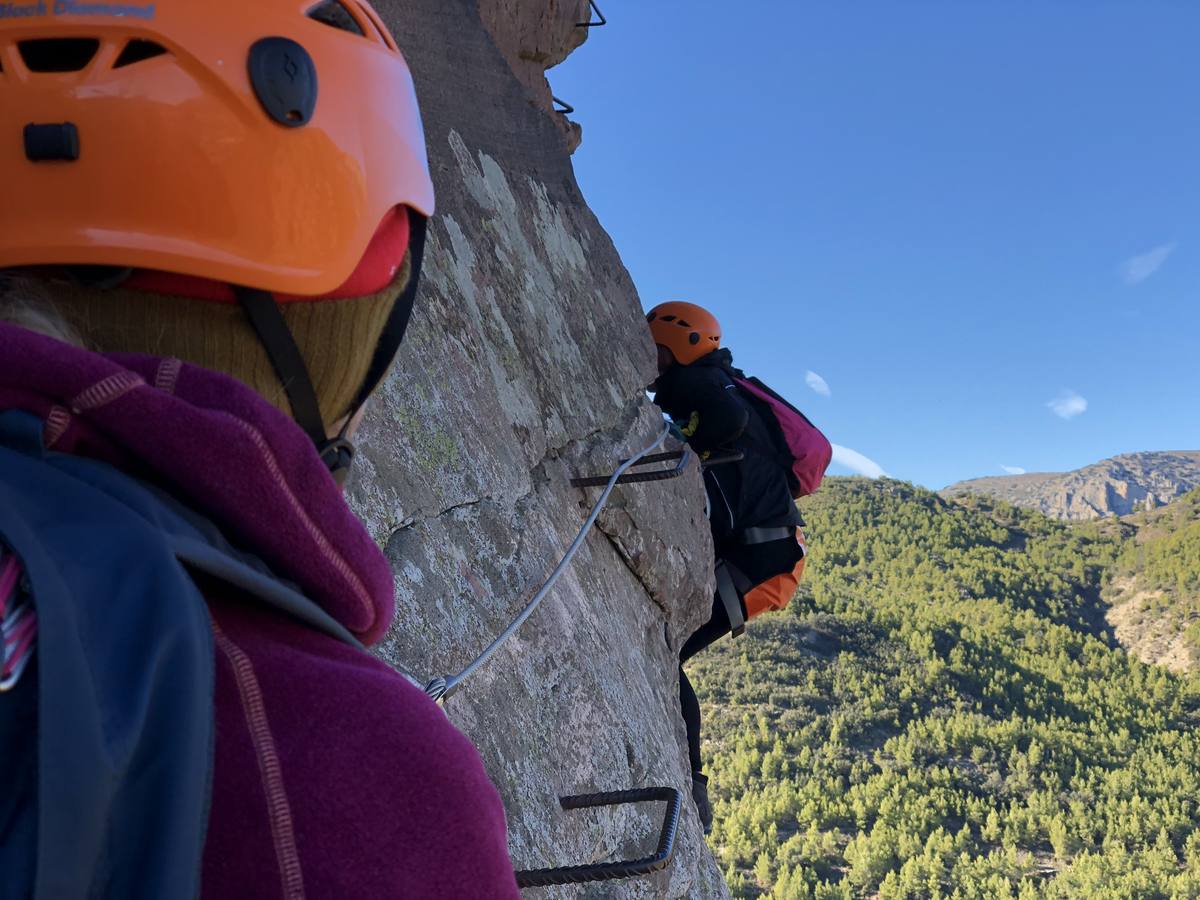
x: 1125, y: 484
x: 534, y: 38
x: 1145, y: 624
x: 525, y: 365
x: 1153, y: 593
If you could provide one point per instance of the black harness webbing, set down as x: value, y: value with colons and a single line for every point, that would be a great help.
x: 277, y: 340
x: 731, y: 584
x: 766, y: 535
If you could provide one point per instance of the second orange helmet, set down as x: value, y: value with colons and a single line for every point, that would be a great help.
x: 687, y: 330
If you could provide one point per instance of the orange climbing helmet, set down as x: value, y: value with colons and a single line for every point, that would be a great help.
x: 260, y: 143
x: 687, y: 330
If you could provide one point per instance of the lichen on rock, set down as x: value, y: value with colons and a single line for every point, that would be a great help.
x: 525, y: 365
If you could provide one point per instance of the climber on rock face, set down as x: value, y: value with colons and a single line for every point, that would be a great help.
x: 206, y: 268
x: 752, y: 516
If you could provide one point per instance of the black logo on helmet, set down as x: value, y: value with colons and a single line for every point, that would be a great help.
x: 284, y: 79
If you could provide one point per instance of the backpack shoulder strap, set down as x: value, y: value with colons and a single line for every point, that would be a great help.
x: 778, y: 450
x: 101, y: 551
x: 124, y: 738
x: 200, y: 546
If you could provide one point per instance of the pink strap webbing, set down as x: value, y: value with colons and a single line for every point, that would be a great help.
x: 18, y: 623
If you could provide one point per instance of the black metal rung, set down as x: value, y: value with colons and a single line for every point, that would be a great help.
x: 593, y: 8
x: 567, y: 108
x: 622, y: 868
x: 642, y: 477
x: 721, y: 459
x: 639, y: 477
x: 658, y: 457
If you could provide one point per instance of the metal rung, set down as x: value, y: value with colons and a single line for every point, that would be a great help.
x: 593, y: 8
x: 622, y: 868
x: 722, y: 458
x: 641, y: 477
x: 567, y: 108
x: 638, y: 477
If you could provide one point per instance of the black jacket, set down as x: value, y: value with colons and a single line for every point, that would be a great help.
x: 715, y: 415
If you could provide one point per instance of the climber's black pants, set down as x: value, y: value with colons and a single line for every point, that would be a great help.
x: 716, y: 627
x: 757, y: 562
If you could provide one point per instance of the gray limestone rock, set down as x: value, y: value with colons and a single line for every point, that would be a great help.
x: 1120, y: 486
x: 525, y: 365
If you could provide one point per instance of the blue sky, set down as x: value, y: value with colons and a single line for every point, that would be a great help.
x: 961, y: 215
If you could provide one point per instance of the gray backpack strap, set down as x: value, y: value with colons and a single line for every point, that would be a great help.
x: 200, y: 545
x: 124, y: 716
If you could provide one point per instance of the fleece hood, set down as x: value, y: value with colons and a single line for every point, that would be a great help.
x: 217, y: 447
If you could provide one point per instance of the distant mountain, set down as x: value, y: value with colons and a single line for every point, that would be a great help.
x: 1125, y: 484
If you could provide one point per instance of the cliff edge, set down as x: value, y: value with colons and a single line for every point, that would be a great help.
x: 525, y: 365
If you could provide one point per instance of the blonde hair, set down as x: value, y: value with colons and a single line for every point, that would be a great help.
x: 25, y: 303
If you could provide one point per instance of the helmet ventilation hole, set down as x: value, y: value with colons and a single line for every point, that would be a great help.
x: 137, y: 51
x: 335, y: 14
x: 58, y: 54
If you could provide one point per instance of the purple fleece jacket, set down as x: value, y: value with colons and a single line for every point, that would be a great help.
x: 333, y: 777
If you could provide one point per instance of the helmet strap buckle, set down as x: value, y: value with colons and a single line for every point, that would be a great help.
x: 338, y: 455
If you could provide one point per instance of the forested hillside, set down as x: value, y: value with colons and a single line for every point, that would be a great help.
x: 1155, y: 586
x: 943, y: 713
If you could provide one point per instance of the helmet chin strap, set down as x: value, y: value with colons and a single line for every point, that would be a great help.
x: 266, y: 318
x: 397, y: 323
x: 277, y: 340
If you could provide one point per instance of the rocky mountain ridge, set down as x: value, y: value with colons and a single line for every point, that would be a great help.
x: 1119, y: 486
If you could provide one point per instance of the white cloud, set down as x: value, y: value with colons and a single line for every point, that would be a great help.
x: 1137, y: 269
x: 1013, y: 470
x: 817, y: 383
x: 1068, y: 404
x: 856, y: 462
